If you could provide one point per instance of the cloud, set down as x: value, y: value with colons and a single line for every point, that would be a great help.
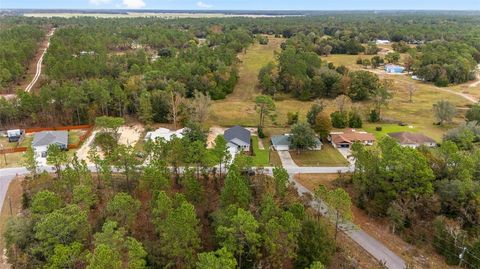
x: 99, y: 2
x: 132, y: 3
x: 203, y: 5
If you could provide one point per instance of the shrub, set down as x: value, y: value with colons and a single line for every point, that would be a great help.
x: 374, y: 116
x: 339, y: 119
x: 292, y: 118
x: 354, y: 120
x: 106, y: 141
x: 260, y: 132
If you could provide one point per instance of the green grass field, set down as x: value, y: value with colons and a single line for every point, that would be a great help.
x: 328, y: 156
x: 387, y: 128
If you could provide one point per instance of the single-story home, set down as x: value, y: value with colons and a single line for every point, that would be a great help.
x: 345, y: 139
x: 413, y: 140
x: 238, y: 139
x: 42, y: 140
x: 283, y: 142
x: 14, y: 135
x: 394, y: 69
x: 164, y: 133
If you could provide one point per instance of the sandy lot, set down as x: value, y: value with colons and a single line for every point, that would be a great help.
x: 129, y: 135
x: 217, y: 130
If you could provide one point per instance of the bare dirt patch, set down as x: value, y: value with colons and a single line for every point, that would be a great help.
x: 129, y: 135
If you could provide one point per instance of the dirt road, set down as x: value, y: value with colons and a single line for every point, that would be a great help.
x: 39, y: 63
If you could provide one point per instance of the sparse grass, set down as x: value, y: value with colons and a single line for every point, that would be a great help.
x: 13, y: 159
x: 312, y: 181
x: 328, y: 157
x: 27, y: 141
x: 74, y: 136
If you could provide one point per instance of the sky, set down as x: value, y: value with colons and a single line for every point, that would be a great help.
x: 247, y: 4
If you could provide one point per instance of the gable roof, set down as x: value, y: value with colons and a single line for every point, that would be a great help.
x: 350, y: 136
x: 407, y: 138
x: 47, y: 138
x: 280, y: 140
x: 236, y: 134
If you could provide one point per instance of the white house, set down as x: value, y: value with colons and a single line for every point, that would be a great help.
x: 238, y: 139
x: 165, y: 134
x: 413, y: 140
x: 42, y: 140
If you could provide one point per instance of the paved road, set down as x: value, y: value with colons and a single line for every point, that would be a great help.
x: 39, y: 64
x: 370, y: 244
x: 4, y: 183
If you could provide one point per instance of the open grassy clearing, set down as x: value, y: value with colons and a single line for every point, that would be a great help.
x: 239, y: 107
x: 387, y: 128
x: 328, y: 157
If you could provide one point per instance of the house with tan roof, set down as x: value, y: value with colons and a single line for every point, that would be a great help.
x: 346, y: 138
x: 413, y: 140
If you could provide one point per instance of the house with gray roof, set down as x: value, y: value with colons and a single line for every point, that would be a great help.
x: 413, y: 140
x: 42, y: 140
x: 283, y: 142
x: 238, y: 139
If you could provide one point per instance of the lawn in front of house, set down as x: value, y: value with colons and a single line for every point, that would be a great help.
x: 264, y: 157
x: 387, y: 128
x: 327, y: 157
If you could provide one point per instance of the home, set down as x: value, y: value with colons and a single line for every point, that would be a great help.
x: 14, y: 135
x: 238, y: 139
x: 382, y: 42
x: 42, y: 140
x: 345, y: 139
x: 413, y: 140
x: 283, y: 142
x: 394, y: 69
x: 164, y: 133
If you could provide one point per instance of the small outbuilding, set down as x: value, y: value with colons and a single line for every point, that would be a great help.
x: 413, y: 140
x: 14, y: 135
x: 283, y: 142
x: 42, y: 140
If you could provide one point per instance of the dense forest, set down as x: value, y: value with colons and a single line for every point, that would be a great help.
x: 120, y: 64
x: 196, y: 216
x: 429, y: 195
x: 18, y: 45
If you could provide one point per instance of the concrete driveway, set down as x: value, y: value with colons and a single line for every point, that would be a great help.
x: 286, y: 159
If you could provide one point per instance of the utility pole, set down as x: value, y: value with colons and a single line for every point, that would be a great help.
x: 461, y: 256
x: 4, y: 153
